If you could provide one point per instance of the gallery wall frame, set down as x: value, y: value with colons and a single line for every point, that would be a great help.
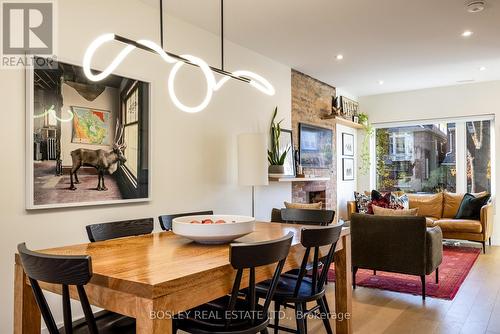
x: 30, y: 203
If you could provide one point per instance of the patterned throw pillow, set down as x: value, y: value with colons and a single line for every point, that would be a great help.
x: 362, y: 202
x: 380, y: 200
x: 400, y: 202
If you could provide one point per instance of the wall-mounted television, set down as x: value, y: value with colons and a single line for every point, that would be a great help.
x: 315, y: 146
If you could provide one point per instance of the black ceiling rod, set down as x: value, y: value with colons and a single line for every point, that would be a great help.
x: 222, y: 33
x: 161, y: 24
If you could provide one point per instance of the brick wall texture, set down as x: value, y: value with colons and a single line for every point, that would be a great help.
x: 310, y: 99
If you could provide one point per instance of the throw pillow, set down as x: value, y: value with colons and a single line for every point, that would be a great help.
x: 378, y: 211
x: 399, y: 201
x: 383, y: 201
x: 470, y: 207
x: 362, y: 201
x: 308, y: 206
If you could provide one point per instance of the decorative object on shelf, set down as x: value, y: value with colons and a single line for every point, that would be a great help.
x: 277, y: 154
x: 347, y: 144
x: 286, y: 143
x: 364, y: 167
x: 86, y: 160
x: 336, y: 106
x: 355, y: 119
x: 316, y: 146
x: 347, y: 169
x: 251, y: 78
x: 350, y: 107
x: 252, y: 162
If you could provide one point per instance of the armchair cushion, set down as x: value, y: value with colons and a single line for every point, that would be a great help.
x: 434, y: 239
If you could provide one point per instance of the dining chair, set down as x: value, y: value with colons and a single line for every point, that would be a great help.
x: 66, y: 270
x: 113, y: 230
x: 234, y: 313
x: 295, y: 291
x: 166, y: 220
x: 119, y: 229
x: 307, y: 216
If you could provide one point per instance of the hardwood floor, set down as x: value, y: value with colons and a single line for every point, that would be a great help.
x: 475, y: 309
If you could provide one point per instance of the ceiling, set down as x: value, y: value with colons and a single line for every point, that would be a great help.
x: 407, y: 44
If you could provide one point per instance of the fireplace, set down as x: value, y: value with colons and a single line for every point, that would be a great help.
x: 317, y: 196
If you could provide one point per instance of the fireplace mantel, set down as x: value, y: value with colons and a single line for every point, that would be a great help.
x: 298, y: 179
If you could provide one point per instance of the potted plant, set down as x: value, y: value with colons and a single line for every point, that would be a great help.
x: 275, y: 155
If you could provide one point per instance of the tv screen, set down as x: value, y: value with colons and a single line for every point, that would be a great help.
x: 316, y: 146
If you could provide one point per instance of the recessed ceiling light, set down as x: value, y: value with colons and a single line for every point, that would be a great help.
x: 482, y: 68
x: 381, y: 82
x: 467, y: 33
x: 340, y: 56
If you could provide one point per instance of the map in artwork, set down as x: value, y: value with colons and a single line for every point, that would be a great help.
x: 91, y: 126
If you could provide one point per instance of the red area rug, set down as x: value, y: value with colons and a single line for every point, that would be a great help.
x: 457, y: 262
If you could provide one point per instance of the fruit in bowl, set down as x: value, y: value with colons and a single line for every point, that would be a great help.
x: 213, y: 229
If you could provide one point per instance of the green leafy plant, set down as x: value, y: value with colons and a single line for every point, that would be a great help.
x: 275, y: 156
x: 364, y: 165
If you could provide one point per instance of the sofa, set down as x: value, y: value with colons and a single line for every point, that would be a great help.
x: 400, y: 244
x: 441, y: 208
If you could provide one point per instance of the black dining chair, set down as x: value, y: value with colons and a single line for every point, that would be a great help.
x: 234, y: 313
x: 296, y: 290
x: 66, y: 270
x: 307, y: 216
x: 113, y: 230
x: 166, y: 220
x: 119, y: 229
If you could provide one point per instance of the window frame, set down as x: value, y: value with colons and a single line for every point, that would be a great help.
x: 460, y: 145
x: 129, y: 90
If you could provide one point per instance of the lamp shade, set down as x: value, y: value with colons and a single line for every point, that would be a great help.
x: 252, y: 159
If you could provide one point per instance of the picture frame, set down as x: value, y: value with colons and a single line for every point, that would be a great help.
x: 347, y: 169
x: 349, y: 107
x: 286, y: 140
x: 49, y: 133
x: 315, y: 146
x: 347, y: 144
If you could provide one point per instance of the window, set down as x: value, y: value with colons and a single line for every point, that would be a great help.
x: 455, y: 156
x: 131, y: 128
x: 478, y: 156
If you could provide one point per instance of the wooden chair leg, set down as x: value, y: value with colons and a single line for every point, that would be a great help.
x: 422, y: 279
x: 325, y: 301
x: 276, y: 316
x: 375, y: 272
x: 299, y: 317
x: 304, y: 307
x: 489, y: 241
x: 325, y: 315
x: 437, y: 275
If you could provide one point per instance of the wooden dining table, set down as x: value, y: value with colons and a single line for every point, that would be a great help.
x: 153, y: 277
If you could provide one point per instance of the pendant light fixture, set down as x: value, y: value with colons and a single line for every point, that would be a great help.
x: 213, y: 85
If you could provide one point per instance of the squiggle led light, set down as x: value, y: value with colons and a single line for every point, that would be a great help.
x: 52, y: 112
x: 257, y: 81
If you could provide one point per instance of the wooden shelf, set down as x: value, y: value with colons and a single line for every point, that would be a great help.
x: 343, y: 121
x: 298, y: 179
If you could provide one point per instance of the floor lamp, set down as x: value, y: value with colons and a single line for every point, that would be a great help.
x: 252, y: 162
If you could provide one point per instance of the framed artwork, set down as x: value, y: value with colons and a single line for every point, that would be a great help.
x: 83, y: 148
x: 349, y: 107
x: 347, y: 144
x: 286, y: 141
x: 91, y: 126
x: 316, y: 146
x: 347, y: 169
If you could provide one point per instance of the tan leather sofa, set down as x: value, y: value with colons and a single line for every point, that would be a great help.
x: 440, y: 210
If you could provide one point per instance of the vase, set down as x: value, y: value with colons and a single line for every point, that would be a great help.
x: 276, y: 169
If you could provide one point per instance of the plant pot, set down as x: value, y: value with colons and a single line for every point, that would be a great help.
x: 276, y: 169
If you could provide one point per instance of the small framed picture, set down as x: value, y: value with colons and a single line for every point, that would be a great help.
x: 347, y: 169
x: 286, y: 142
x: 347, y: 144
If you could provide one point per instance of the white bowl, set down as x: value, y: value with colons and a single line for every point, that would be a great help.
x: 234, y: 228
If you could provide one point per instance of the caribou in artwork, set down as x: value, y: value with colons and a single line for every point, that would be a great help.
x: 102, y: 160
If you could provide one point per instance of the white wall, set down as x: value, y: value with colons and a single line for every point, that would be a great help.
x: 453, y: 101
x: 345, y: 189
x: 108, y: 100
x: 194, y: 155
